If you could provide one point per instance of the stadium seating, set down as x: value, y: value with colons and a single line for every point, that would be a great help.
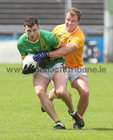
x: 49, y: 14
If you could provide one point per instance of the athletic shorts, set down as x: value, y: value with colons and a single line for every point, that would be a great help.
x: 72, y: 74
x: 49, y: 72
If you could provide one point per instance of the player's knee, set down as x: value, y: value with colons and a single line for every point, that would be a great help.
x: 60, y: 93
x: 39, y: 92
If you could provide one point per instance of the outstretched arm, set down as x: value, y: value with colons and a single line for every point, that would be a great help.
x: 63, y: 50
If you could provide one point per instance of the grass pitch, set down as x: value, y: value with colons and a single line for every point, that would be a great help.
x: 21, y: 118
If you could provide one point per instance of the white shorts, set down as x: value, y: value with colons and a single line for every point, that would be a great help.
x: 49, y: 72
x: 72, y: 74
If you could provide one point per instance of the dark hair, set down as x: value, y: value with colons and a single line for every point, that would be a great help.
x: 30, y: 21
x: 74, y: 11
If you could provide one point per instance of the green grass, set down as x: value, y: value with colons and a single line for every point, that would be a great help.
x: 21, y: 118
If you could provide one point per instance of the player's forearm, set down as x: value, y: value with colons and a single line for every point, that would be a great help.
x: 63, y: 51
x: 58, y: 53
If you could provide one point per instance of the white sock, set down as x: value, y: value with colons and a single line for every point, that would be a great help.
x: 73, y: 113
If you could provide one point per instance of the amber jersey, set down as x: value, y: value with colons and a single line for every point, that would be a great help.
x: 74, y: 59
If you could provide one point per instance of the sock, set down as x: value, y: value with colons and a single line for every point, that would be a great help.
x: 58, y: 121
x: 73, y: 113
x: 79, y: 115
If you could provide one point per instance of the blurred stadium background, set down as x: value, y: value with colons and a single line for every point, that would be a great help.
x: 51, y: 13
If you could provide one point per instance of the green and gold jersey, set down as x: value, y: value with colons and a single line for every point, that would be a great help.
x: 47, y: 42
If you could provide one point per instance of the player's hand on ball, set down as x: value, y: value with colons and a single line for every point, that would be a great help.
x: 28, y: 69
x: 40, y: 55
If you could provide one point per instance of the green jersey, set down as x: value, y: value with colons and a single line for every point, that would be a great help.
x: 47, y: 42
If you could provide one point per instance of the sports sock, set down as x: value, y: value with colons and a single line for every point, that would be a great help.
x: 73, y: 113
x: 58, y: 121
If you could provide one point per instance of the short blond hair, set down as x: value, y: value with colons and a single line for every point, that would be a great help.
x: 74, y: 11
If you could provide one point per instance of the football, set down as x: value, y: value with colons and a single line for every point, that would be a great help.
x: 29, y: 60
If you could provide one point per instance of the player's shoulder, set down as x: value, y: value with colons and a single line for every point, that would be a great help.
x: 61, y: 26
x: 46, y: 34
x: 80, y: 32
x: 58, y: 28
x: 22, y: 38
